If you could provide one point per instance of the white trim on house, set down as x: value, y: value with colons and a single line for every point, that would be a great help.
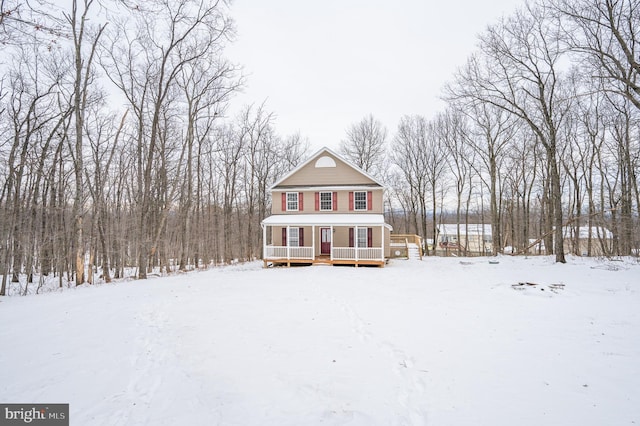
x: 318, y: 188
x: 326, y: 220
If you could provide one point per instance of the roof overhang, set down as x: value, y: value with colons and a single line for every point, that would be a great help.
x: 336, y: 219
x: 320, y: 188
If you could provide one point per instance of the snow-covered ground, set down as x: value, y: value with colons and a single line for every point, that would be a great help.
x: 438, y: 342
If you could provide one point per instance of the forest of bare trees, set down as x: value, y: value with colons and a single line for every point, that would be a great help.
x: 541, y: 135
x: 117, y: 152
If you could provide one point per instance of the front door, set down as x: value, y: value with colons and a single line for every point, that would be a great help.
x: 325, y: 240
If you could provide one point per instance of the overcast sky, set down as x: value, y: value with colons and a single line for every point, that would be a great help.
x: 322, y: 66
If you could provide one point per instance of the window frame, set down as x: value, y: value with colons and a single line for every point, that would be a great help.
x: 330, y: 201
x: 356, y: 200
x: 297, y: 201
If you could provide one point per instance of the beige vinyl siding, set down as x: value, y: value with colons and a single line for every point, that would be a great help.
x: 341, y: 237
x: 309, y: 202
x: 342, y: 174
x: 387, y: 242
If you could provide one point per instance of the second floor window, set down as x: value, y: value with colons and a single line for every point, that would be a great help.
x: 360, y: 200
x: 292, y: 201
x: 326, y: 201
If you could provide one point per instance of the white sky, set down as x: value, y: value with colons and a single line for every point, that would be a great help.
x: 322, y: 66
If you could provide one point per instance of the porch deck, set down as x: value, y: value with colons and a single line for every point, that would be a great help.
x: 282, y: 255
x: 322, y: 260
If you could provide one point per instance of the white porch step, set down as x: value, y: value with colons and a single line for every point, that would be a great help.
x: 414, y: 251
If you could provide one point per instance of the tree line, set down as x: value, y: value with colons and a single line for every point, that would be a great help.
x: 116, y: 153
x: 119, y: 157
x: 541, y: 134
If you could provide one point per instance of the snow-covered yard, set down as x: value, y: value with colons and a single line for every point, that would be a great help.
x: 437, y: 342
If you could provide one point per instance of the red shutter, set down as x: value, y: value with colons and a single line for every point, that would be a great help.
x: 300, y: 201
x: 317, y: 201
x: 369, y: 237
x: 334, y: 198
x: 369, y: 202
x: 301, y: 237
x: 351, y: 201
x: 284, y: 237
x: 284, y: 201
x: 350, y: 237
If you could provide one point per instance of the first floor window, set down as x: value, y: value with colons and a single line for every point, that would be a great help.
x: 360, y: 200
x: 362, y: 237
x: 292, y: 201
x: 294, y: 237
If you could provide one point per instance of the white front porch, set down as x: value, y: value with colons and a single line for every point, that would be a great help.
x: 337, y: 253
x: 355, y: 239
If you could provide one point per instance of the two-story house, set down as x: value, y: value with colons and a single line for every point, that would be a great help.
x: 326, y: 210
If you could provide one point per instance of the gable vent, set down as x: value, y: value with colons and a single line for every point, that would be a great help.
x: 325, y: 162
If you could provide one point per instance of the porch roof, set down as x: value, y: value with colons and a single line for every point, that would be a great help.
x: 335, y: 219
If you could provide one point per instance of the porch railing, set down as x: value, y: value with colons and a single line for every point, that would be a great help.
x: 283, y: 252
x: 349, y: 253
x: 338, y: 253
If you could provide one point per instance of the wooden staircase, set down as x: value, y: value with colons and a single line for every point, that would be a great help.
x: 409, y: 244
x: 413, y: 251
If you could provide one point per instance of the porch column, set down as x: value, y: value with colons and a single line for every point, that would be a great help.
x: 355, y: 242
x: 331, y: 245
x: 313, y: 242
x: 287, y: 242
x: 264, y: 242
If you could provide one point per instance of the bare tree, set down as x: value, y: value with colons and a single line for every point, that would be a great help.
x: 34, y: 21
x: 409, y: 157
x: 145, y: 67
x: 590, y: 113
x: 229, y: 152
x: 365, y: 145
x: 491, y: 133
x: 260, y: 160
x: 36, y: 116
x: 452, y: 130
x: 517, y: 71
x: 83, y: 75
x: 605, y: 32
x: 294, y: 149
x: 207, y: 86
x: 420, y: 157
x: 622, y: 170
x: 104, y: 142
x: 521, y: 166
